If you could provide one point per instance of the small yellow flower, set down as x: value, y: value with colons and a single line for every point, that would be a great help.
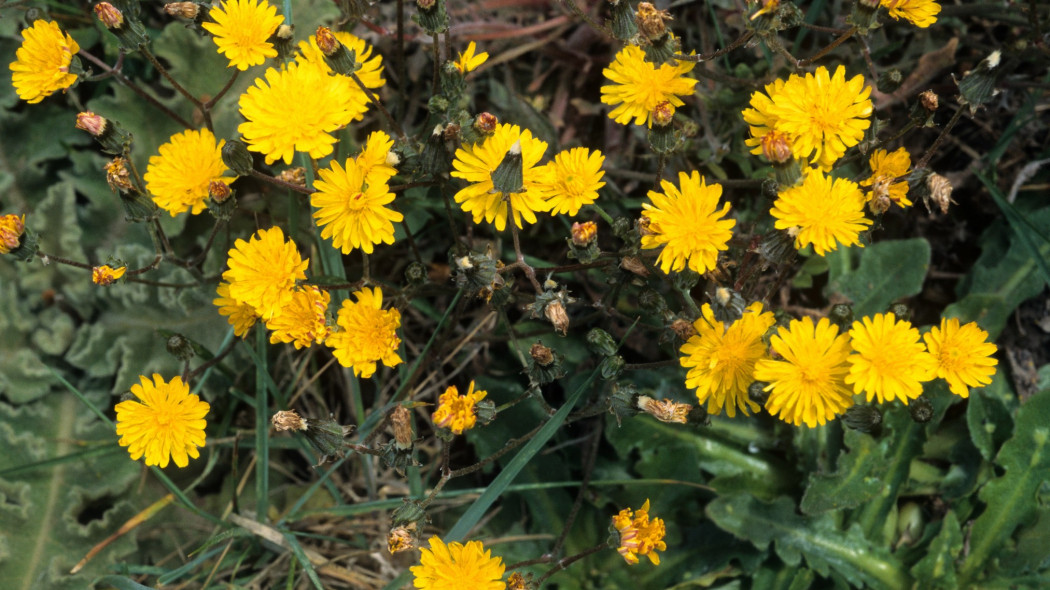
x: 468, y: 61
x: 240, y: 315
x: 808, y: 385
x: 891, y: 362
x: 886, y: 167
x: 376, y: 159
x: 963, y: 355
x: 179, y: 177
x: 687, y: 223
x: 370, y: 72
x: 43, y: 61
x: 302, y: 320
x: 572, y: 180
x: 476, y: 163
x: 263, y: 271
x: 639, y: 535
x: 106, y: 275
x: 166, y: 423
x: 242, y: 29
x: 639, y: 86
x: 456, y: 566
x: 11, y: 229
x: 368, y: 333
x: 456, y: 412
x: 822, y: 211
x: 352, y: 212
x: 721, y: 361
x: 921, y: 13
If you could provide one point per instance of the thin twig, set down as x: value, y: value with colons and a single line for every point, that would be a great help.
x: 134, y: 87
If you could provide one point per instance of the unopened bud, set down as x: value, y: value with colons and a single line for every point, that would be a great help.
x: 558, y: 317
x: 667, y: 410
x: 650, y: 21
x: 863, y: 418
x: 601, y: 342
x: 757, y: 393
x: 109, y: 15
x: 219, y: 191
x: 583, y: 234
x: 326, y: 41
x: 92, y: 123
x: 541, y: 354
x: 117, y: 176
x: 401, y: 418
x: 890, y: 81
x: 663, y: 113
x: 776, y: 147
x: 287, y: 420
x: 188, y: 10
x: 237, y: 158
x: 921, y: 409
x: 180, y: 347
x: 841, y: 315
x: 485, y: 123
x: 929, y: 100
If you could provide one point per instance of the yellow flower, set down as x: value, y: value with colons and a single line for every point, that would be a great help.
x: 302, y: 320
x: 468, y: 61
x: 295, y: 108
x: 639, y: 535
x: 370, y: 72
x: 891, y: 362
x: 42, y: 62
x: 376, y: 160
x: 263, y: 271
x: 178, y: 178
x: 458, y: 567
x: 963, y: 355
x: 456, y: 412
x: 352, y: 212
x: 167, y: 423
x: 106, y: 275
x: 368, y: 334
x: 638, y: 86
x: 821, y: 211
x: 476, y: 163
x: 921, y: 13
x: 240, y: 315
x: 11, y: 229
x: 721, y: 361
x: 808, y: 385
x: 885, y: 168
x: 687, y: 223
x: 241, y: 31
x: 572, y: 180
x: 822, y: 114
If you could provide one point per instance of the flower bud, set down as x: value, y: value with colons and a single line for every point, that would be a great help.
x: 109, y: 134
x: 622, y: 21
x: 92, y: 123
x: 890, y: 81
x: 663, y: 113
x: 776, y: 147
x: 11, y: 229
x: 432, y: 16
x: 757, y: 393
x: 901, y: 312
x: 326, y: 41
x: 583, y: 234
x: 219, y: 191
x: 921, y: 409
x: 109, y: 15
x: 237, y: 158
x: 600, y: 342
x: 283, y: 40
x: 341, y: 59
x: 117, y: 176
x: 612, y: 367
x: 978, y: 86
x: 130, y: 31
x: 425, y: 4
x: 106, y: 275
x: 863, y: 418
x: 416, y: 274
x: 841, y: 315
x: 180, y: 347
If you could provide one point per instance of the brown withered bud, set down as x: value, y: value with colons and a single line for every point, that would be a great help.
x: 117, y: 176
x: 218, y: 191
x: 776, y: 147
x: 634, y: 264
x: 400, y: 539
x: 485, y: 123
x: 541, y: 354
x: 188, y: 10
x: 879, y: 204
x: 450, y: 132
x: 663, y: 114
x: 940, y: 192
x: 426, y: 4
x: 516, y: 581
x: 326, y: 41
x: 650, y: 21
x: 557, y: 316
x: 643, y: 227
x: 296, y: 176
x: 401, y: 418
x: 287, y: 420
x: 584, y: 233
x: 92, y: 123
x: 929, y: 100
x: 109, y: 15
x: 683, y: 328
x: 667, y: 410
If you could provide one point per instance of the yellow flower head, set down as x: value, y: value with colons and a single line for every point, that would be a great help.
x: 822, y: 114
x: 456, y: 412
x: 166, y: 423
x: 891, y: 362
x: 808, y: 385
x: 295, y: 108
x: 370, y: 72
x: 352, y: 212
x: 721, y: 361
x: 639, y: 86
x: 639, y: 535
x: 821, y: 211
x: 11, y: 229
x: 368, y: 333
x: 376, y: 159
x: 687, y: 223
x: 240, y: 315
x: 885, y: 168
x: 572, y: 180
x: 302, y: 320
x: 476, y: 163
x: 468, y: 61
x: 42, y: 63
x: 263, y: 271
x: 179, y: 177
x: 963, y: 355
x: 458, y: 567
x: 921, y: 13
x: 241, y: 31
x: 106, y: 275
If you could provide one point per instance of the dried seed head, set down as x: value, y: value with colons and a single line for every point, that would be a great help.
x: 401, y: 418
x: 541, y: 354
x: 188, y: 10
x: 940, y: 192
x: 650, y: 21
x: 643, y: 227
x: 117, y: 175
x: 451, y: 131
x: 296, y: 176
x: 929, y: 100
x: 634, y: 265
x: 559, y: 318
x: 401, y: 539
x: 288, y: 420
x: 667, y: 410
x: 683, y: 329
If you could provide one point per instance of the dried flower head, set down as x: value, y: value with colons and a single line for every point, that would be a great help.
x: 400, y: 539
x: 401, y: 419
x: 541, y: 354
x: 287, y: 420
x: 117, y: 175
x: 296, y: 176
x: 650, y: 21
x: 929, y: 100
x: 188, y: 10
x: 940, y: 192
x: 667, y: 410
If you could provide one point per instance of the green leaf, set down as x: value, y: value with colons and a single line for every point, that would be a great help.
x: 857, y: 479
x: 119, y: 582
x: 887, y: 271
x: 817, y: 539
x: 905, y: 439
x: 937, y: 569
x: 989, y: 423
